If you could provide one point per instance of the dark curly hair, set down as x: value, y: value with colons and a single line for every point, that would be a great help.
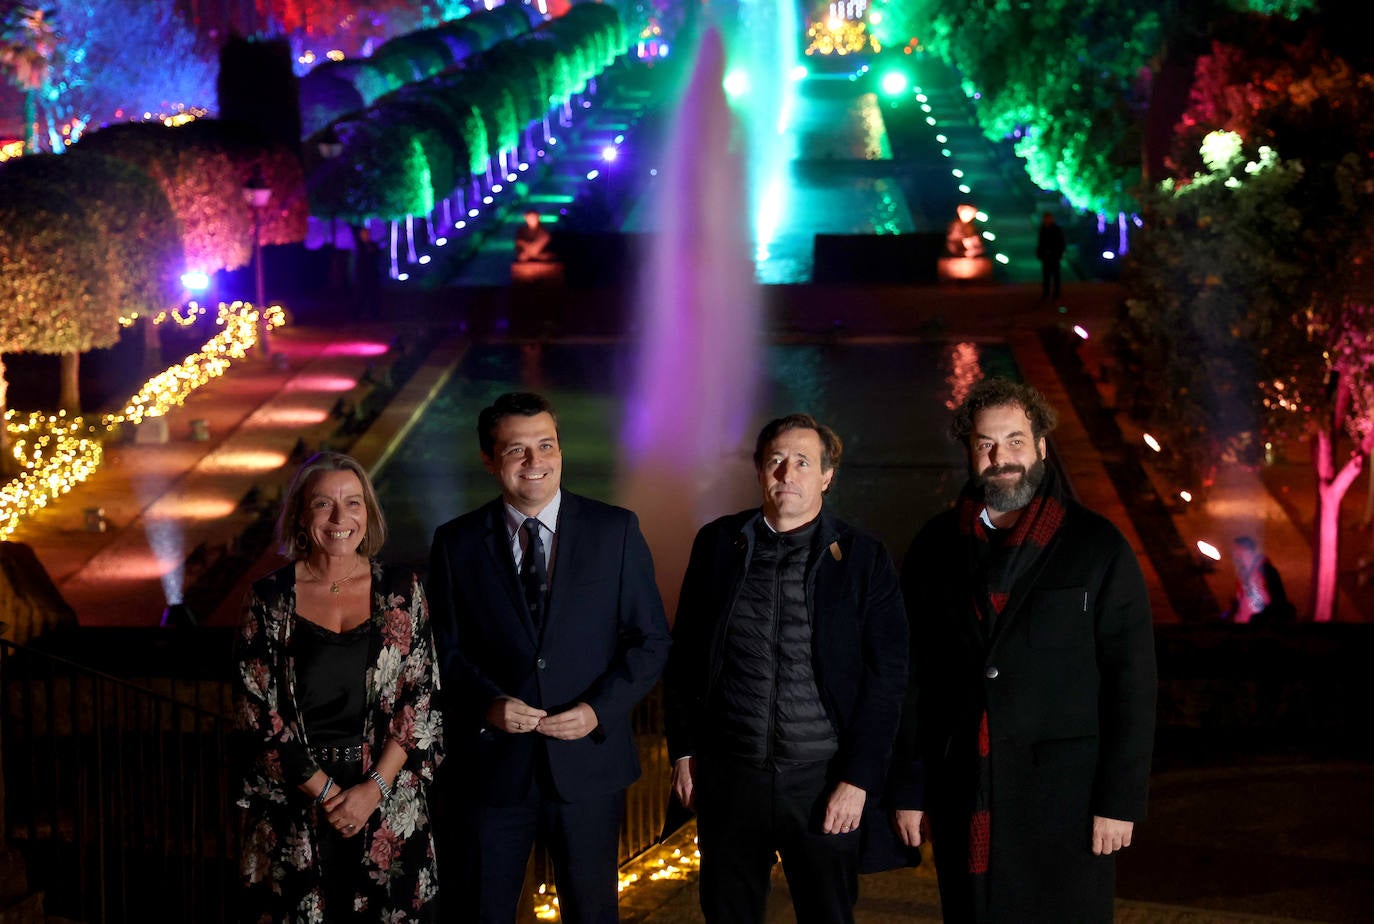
x: 1000, y: 392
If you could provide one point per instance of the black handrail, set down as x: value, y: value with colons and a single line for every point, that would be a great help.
x: 121, y: 797
x: 118, y: 797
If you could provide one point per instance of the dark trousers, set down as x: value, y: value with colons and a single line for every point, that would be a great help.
x: 340, y: 858
x: 744, y: 816
x: 583, y: 841
x: 1049, y: 278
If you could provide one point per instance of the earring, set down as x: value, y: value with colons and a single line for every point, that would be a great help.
x: 302, y: 540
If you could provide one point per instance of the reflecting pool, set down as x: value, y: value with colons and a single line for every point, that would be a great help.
x: 885, y: 397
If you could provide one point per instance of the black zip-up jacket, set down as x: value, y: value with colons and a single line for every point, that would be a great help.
x: 859, y: 640
x: 767, y: 709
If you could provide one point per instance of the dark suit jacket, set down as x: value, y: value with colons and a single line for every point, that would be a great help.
x: 604, y: 643
x: 1068, y: 682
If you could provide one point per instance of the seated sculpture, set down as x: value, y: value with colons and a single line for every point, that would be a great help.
x: 962, y: 239
x: 965, y: 259
x: 533, y: 243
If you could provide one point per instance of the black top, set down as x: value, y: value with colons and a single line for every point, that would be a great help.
x: 331, y: 669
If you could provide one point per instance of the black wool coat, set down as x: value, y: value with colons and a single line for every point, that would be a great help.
x: 1068, y: 681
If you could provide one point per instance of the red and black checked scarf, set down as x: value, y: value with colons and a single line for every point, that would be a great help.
x: 997, y: 565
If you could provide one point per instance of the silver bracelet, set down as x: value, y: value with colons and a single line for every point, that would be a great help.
x: 381, y: 783
x: 324, y: 790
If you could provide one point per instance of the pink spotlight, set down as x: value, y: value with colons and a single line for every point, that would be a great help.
x: 322, y: 383
x: 292, y: 416
x: 357, y: 348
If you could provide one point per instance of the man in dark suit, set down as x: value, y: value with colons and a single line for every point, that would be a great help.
x: 784, y: 687
x: 550, y: 629
x: 1026, y: 738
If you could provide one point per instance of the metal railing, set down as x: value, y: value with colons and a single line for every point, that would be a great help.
x: 121, y: 797
x: 118, y: 797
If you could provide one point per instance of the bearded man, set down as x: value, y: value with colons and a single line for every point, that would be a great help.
x: 1024, y: 751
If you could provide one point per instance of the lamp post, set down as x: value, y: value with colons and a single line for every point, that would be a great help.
x: 257, y: 194
x: 330, y: 148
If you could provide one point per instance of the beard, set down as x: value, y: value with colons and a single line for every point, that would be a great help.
x: 1004, y: 496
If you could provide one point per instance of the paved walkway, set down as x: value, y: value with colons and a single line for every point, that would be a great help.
x: 1204, y: 856
x: 161, y: 501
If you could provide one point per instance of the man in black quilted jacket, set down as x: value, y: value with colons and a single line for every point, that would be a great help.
x: 784, y: 686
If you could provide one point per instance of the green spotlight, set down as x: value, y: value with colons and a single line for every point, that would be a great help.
x: 894, y: 83
x: 736, y: 83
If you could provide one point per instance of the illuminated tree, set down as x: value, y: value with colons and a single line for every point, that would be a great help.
x: 1254, y: 319
x: 124, y: 58
x: 54, y: 278
x: 200, y: 181
x: 132, y: 223
x: 257, y: 158
x: 29, y: 47
x: 897, y: 22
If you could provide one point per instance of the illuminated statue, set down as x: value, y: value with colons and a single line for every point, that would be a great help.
x: 963, y: 239
x: 532, y: 241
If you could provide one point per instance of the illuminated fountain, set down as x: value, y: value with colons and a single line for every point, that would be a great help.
x: 691, y: 414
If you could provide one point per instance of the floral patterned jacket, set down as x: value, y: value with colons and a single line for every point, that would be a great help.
x: 280, y: 876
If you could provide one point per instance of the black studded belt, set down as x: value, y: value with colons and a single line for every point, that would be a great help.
x: 337, y: 753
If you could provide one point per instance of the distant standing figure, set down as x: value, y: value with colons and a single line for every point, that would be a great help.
x: 1260, y: 597
x: 1049, y: 250
x: 533, y: 241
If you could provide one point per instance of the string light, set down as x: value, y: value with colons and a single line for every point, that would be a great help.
x: 678, y: 858
x: 171, y: 387
x: 55, y: 452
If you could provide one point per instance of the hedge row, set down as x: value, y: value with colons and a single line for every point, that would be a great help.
x: 416, y: 145
x: 334, y: 88
x: 202, y: 168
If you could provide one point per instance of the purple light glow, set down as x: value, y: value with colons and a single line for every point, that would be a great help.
x: 689, y: 416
